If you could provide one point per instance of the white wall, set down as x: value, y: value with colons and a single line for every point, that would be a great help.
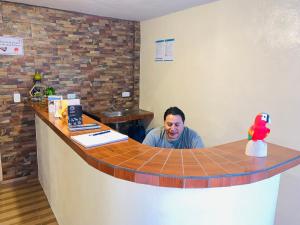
x: 233, y: 59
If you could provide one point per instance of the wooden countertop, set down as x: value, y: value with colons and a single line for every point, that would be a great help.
x: 128, y: 116
x: 219, y: 166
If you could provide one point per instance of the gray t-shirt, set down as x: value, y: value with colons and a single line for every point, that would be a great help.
x: 188, y: 139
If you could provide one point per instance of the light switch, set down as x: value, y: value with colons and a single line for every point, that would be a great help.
x: 125, y: 94
x: 17, y: 97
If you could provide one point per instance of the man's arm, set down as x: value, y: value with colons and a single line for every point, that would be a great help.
x: 150, y: 139
x: 195, y: 139
x: 197, y: 142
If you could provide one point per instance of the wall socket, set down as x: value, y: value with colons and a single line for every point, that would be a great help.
x: 71, y: 96
x: 125, y: 94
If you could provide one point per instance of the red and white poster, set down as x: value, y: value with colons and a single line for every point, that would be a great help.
x: 11, y: 46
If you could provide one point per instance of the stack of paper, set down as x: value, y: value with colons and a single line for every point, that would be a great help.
x: 98, y: 138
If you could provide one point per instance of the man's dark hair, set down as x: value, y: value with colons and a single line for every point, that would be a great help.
x: 174, y: 111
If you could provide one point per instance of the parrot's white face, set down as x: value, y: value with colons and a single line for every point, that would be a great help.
x: 265, y: 117
x: 173, y: 126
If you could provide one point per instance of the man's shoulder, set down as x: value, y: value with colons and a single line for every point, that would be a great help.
x: 190, y: 131
x: 153, y: 137
x: 194, y: 137
x: 156, y: 131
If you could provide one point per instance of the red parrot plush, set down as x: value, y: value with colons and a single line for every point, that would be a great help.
x: 259, y: 131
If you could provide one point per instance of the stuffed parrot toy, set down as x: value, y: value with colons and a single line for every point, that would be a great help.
x: 259, y: 131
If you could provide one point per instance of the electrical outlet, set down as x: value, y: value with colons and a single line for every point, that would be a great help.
x: 71, y: 96
x: 125, y: 94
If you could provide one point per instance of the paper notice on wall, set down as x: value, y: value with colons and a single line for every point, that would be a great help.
x: 160, y: 50
x: 169, y: 53
x: 11, y: 46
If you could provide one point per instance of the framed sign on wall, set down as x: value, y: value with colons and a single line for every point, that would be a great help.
x: 11, y: 46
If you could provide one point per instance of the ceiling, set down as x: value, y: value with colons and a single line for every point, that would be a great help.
x: 123, y: 9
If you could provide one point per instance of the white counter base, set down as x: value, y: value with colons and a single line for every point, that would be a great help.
x: 81, y: 195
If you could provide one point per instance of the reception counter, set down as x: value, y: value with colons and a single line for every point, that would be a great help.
x: 130, y: 183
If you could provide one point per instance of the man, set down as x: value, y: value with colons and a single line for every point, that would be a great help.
x: 173, y: 134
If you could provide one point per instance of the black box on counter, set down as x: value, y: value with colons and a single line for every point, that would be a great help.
x: 74, y: 115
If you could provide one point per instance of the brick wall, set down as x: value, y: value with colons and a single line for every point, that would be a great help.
x: 95, y: 57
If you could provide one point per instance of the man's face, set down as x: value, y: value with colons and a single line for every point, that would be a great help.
x: 173, y: 126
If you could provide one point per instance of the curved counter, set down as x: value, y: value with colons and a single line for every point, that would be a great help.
x: 219, y: 166
x: 128, y: 183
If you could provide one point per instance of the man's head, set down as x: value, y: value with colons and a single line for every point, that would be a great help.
x: 173, y: 122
